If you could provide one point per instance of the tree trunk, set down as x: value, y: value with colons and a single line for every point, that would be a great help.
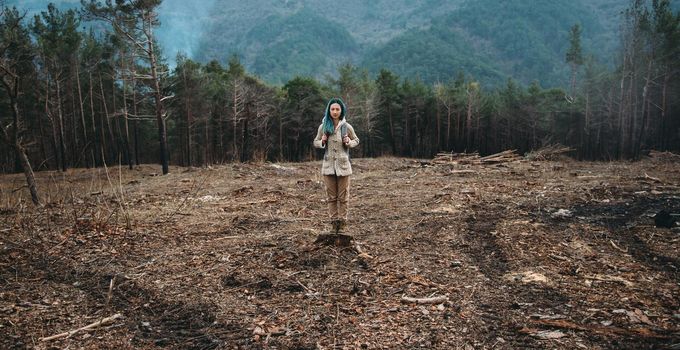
x: 459, y: 130
x: 96, y: 149
x: 189, y: 117
x: 393, y: 137
x: 12, y: 88
x: 280, y: 137
x: 53, y: 125
x: 126, y: 126
x: 632, y: 115
x: 160, y: 120
x: 244, y: 142
x: 235, y: 151
x: 438, y: 132
x: 405, y: 141
x: 28, y: 173
x: 75, y: 154
x: 82, y: 119
x: 43, y: 148
x: 106, y: 124
x: 448, y: 128
x: 206, y: 150
x: 115, y: 137
x: 60, y: 125
x: 664, y: 133
x: 588, y: 145
x: 468, y: 124
x: 621, y: 120
x: 135, y: 127
x: 645, y: 110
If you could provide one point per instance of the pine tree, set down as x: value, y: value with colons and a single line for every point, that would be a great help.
x: 16, y: 55
x: 574, y: 55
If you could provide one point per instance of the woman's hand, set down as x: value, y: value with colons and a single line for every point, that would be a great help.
x: 324, y: 138
x: 345, y: 140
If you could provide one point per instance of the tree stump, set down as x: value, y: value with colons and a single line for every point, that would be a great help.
x: 334, y: 239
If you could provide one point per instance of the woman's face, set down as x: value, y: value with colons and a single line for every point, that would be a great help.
x: 336, y: 111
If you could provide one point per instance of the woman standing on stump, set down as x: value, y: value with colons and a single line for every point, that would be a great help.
x: 336, y: 136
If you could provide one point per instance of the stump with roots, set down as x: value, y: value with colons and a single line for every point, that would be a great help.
x: 334, y: 239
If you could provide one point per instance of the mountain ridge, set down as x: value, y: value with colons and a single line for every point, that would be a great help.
x: 431, y: 40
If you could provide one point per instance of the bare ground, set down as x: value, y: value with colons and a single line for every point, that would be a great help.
x: 558, y: 255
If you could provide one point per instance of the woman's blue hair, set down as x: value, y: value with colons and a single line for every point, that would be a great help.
x: 328, y: 126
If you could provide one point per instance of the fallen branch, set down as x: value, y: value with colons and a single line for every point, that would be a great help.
x: 361, y: 252
x: 655, y: 179
x: 433, y: 300
x: 102, y: 322
x: 617, y: 247
x: 464, y: 171
x: 609, y: 279
x: 110, y: 294
x: 558, y: 257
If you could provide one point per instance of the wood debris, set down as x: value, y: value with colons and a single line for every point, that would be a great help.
x: 664, y: 156
x: 549, y: 152
x: 90, y: 326
x: 480, y: 260
x: 430, y: 300
x: 475, y: 159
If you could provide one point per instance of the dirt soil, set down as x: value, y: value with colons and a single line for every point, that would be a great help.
x: 537, y: 255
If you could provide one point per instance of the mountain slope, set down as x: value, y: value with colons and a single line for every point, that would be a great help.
x: 491, y: 41
x: 431, y: 39
x: 303, y: 43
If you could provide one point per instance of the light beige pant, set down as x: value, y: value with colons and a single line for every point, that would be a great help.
x: 337, y: 189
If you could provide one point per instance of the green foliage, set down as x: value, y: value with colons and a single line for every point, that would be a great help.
x: 57, y: 34
x: 429, y: 39
x: 301, y: 44
x: 17, y: 48
x: 432, y: 55
x: 304, y: 108
x: 575, y: 53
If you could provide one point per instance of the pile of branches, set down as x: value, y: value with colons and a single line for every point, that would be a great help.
x: 475, y: 159
x: 549, y: 152
x: 664, y: 156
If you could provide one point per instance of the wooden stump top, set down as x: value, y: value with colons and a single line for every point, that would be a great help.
x: 335, y: 239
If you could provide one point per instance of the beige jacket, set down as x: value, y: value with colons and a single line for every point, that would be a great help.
x: 336, y: 157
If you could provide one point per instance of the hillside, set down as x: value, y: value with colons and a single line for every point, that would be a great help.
x: 430, y: 39
x: 527, y: 254
x: 433, y: 39
x: 492, y: 42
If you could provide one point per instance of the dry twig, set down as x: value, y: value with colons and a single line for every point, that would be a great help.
x: 90, y: 326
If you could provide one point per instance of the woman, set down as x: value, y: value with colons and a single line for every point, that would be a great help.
x: 336, y: 136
